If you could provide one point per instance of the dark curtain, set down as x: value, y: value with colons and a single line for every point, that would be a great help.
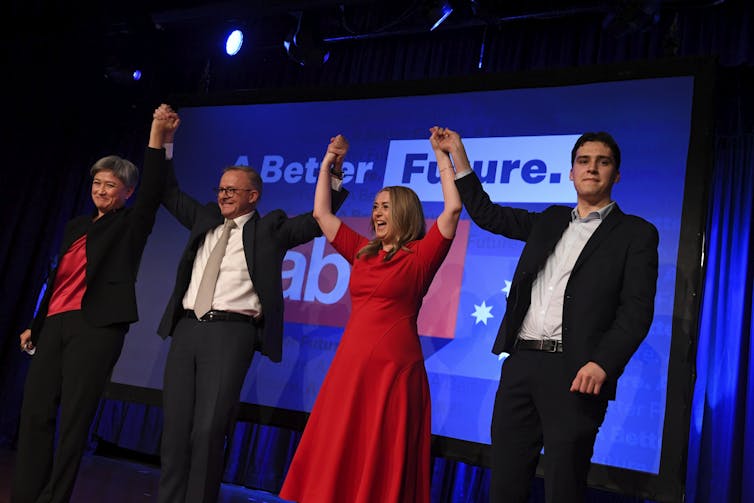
x: 58, y: 131
x: 721, y: 466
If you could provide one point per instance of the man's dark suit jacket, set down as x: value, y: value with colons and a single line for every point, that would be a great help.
x: 609, y: 298
x: 265, y: 240
x: 114, y: 246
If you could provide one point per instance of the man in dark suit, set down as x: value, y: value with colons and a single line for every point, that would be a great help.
x: 211, y: 351
x: 580, y: 303
x: 78, y: 332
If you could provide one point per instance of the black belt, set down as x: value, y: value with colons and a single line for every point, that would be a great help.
x: 221, y: 316
x: 549, y: 346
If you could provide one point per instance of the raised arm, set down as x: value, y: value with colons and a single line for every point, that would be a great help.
x: 328, y: 222
x: 513, y: 223
x: 179, y: 204
x: 153, y: 177
x: 446, y: 143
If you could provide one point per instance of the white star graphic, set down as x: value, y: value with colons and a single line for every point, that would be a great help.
x: 507, y: 289
x: 482, y: 313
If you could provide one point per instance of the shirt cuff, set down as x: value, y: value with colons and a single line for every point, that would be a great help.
x: 336, y: 183
x: 463, y: 173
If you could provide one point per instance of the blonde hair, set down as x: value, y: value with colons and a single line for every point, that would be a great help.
x: 407, y: 216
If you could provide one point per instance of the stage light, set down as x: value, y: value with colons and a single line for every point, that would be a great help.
x: 303, y: 43
x: 124, y: 75
x: 439, y: 13
x: 233, y: 42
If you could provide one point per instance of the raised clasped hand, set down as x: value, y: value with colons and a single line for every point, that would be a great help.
x: 338, y: 145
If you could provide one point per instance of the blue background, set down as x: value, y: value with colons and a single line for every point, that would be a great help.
x: 649, y: 118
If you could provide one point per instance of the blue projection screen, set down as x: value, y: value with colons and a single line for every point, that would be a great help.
x: 519, y: 141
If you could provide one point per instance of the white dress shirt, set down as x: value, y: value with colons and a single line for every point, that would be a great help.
x: 544, y: 319
x: 234, y: 290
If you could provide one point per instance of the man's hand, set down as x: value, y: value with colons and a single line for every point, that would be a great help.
x: 447, y: 140
x: 164, y: 124
x: 167, y: 121
x: 338, y: 145
x: 589, y: 379
x: 336, y: 153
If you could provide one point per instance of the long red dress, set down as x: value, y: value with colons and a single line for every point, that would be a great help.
x: 368, y: 437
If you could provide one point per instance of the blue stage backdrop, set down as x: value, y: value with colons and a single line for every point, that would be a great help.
x: 519, y: 141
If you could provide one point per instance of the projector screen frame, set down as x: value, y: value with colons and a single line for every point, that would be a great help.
x: 669, y: 484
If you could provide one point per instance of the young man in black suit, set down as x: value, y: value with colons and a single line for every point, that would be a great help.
x: 580, y: 303
x: 211, y: 351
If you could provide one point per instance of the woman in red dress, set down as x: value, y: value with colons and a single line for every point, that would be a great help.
x: 368, y: 436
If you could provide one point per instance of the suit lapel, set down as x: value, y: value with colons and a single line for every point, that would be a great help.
x: 75, y: 232
x: 249, y: 235
x: 551, y: 237
x: 205, y: 223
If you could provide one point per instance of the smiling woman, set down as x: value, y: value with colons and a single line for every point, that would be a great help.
x: 114, y: 180
x: 397, y: 218
x: 345, y: 455
x: 78, y: 332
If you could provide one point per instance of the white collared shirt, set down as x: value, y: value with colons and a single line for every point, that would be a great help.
x: 544, y: 319
x: 234, y: 290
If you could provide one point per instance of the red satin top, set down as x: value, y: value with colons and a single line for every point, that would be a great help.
x: 70, y: 280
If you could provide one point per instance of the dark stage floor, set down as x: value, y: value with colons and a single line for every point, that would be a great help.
x: 121, y: 481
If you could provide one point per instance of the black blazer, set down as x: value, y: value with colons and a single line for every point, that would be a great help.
x: 114, y: 246
x: 609, y: 298
x: 265, y: 239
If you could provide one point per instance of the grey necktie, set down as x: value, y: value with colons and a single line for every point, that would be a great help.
x: 206, y: 291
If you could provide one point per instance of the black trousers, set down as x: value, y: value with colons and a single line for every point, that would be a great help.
x: 205, y: 370
x: 68, y: 374
x: 534, y: 407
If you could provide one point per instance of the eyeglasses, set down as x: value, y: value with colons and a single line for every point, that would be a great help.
x: 229, y: 191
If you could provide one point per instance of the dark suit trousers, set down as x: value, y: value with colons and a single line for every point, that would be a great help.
x: 534, y: 406
x: 205, y: 370
x: 71, y: 367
